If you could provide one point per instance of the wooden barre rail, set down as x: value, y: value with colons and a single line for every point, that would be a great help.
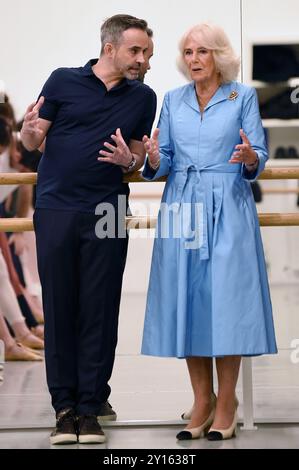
x: 267, y: 174
x: 134, y: 222
x: 30, y: 178
x: 139, y: 196
x: 280, y: 174
x: 18, y: 178
x: 266, y: 220
x: 280, y: 191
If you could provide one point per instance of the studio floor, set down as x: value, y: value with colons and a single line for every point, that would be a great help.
x: 149, y: 394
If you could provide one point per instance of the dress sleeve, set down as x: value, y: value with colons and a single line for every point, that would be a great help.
x: 253, y: 128
x: 166, y: 148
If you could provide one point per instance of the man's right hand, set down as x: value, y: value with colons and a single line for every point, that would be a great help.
x: 31, y: 119
x: 34, y: 128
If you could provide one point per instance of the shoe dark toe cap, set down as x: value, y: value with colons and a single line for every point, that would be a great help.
x: 184, y: 436
x: 214, y: 436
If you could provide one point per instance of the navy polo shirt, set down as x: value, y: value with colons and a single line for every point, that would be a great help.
x: 84, y: 115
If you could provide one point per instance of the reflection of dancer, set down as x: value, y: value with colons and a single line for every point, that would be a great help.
x: 4, y: 135
x: 81, y: 111
x: 16, y: 201
x: 10, y: 286
x: 216, y: 300
x: 15, y: 351
x: 12, y: 293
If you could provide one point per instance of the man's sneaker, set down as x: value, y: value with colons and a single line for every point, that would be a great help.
x: 65, y: 430
x: 107, y: 413
x: 89, y: 430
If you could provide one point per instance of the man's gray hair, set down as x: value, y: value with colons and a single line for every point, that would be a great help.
x: 113, y: 28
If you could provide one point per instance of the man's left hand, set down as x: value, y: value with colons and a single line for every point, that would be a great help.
x: 245, y: 153
x: 119, y: 154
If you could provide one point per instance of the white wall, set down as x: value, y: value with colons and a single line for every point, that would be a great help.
x: 37, y: 36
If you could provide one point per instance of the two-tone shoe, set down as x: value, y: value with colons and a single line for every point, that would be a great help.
x: 186, y: 416
x: 199, y: 431
x: 202, y: 430
x: 221, y: 434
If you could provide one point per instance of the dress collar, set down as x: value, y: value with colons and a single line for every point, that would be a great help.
x: 190, y: 98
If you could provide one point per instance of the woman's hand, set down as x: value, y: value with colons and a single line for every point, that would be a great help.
x: 151, y: 146
x: 245, y: 153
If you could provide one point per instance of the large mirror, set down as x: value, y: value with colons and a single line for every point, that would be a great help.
x: 36, y: 39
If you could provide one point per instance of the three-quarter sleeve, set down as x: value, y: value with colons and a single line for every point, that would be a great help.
x: 165, y: 143
x: 253, y: 128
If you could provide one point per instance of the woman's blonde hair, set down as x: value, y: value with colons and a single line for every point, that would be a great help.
x: 214, y: 38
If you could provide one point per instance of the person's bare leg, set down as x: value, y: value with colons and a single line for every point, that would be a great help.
x: 13, y: 350
x: 5, y: 334
x: 35, y: 306
x: 25, y: 336
x: 227, y: 372
x: 201, y: 376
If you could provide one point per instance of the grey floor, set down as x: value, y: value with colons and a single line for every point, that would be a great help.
x: 149, y: 394
x: 160, y: 437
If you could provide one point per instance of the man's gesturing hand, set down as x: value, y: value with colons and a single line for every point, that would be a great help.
x: 119, y: 154
x: 151, y: 146
x: 31, y: 120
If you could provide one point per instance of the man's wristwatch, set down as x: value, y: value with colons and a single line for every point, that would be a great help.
x: 132, y: 164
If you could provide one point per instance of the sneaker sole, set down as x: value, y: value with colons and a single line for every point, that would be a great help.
x: 64, y: 439
x: 91, y: 439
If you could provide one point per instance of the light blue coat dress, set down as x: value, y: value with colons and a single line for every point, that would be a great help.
x: 208, y: 292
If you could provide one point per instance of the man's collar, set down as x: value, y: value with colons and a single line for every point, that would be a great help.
x: 87, y: 72
x: 87, y: 69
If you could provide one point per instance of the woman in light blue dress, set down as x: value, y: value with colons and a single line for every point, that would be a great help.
x: 208, y: 293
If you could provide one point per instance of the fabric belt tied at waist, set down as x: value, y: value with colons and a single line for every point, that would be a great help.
x: 201, y: 194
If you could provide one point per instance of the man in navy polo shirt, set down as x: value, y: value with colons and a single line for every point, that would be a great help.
x: 94, y: 119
